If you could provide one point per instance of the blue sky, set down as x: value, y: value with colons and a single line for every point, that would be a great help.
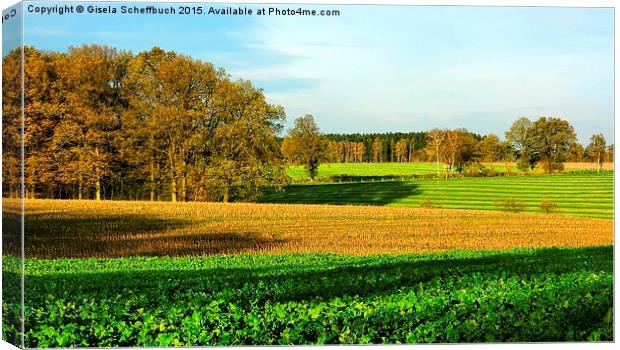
x: 388, y: 68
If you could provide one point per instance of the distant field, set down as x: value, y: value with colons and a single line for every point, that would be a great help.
x: 366, y: 169
x: 576, y: 194
x: 407, y: 169
x: 57, y: 228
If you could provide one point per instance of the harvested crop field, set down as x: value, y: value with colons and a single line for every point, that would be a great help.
x: 115, y: 229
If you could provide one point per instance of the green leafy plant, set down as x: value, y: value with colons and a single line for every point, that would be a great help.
x: 493, y: 296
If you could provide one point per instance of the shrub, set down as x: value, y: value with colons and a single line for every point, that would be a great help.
x: 548, y: 206
x: 429, y: 204
x: 511, y: 204
x: 489, y: 172
x: 554, y: 167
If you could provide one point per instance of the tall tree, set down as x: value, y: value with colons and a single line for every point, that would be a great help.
x: 436, y: 141
x: 377, y: 150
x: 549, y: 140
x: 174, y: 101
x: 92, y: 76
x: 576, y: 153
x: 11, y: 123
x: 596, y: 150
x: 610, y: 153
x: 400, y: 150
x: 307, y: 145
x: 489, y: 148
x: 245, y: 154
x: 519, y: 137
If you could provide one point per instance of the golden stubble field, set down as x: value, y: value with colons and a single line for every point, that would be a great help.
x: 56, y: 228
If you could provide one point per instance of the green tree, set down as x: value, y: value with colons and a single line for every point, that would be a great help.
x: 244, y: 156
x: 519, y: 137
x: 306, y: 145
x: 549, y: 141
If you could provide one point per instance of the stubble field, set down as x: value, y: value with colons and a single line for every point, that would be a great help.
x: 116, y: 229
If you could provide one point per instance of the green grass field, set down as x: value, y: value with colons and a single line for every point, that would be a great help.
x: 517, y: 295
x: 576, y: 194
x: 366, y: 169
x: 400, y: 169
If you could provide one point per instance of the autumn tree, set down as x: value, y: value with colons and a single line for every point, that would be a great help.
x: 489, y: 148
x: 596, y: 150
x: 91, y: 77
x: 400, y: 149
x: 576, y: 152
x: 307, y: 146
x: 377, y: 150
x: 11, y: 123
x: 175, y: 102
x: 610, y: 153
x: 458, y: 151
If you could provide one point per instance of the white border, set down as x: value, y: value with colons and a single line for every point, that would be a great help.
x: 528, y: 3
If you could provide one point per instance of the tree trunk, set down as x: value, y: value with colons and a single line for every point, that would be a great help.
x: 80, y: 186
x: 173, y: 188
x: 98, y: 189
x: 152, y: 179
x: 183, y: 183
x: 159, y: 184
x: 98, y: 181
x: 598, y: 164
x: 226, y: 194
x: 173, y: 179
x: 437, y: 161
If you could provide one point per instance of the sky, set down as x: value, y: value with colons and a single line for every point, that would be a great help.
x: 386, y: 68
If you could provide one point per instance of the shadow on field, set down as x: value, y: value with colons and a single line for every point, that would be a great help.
x: 108, y: 236
x: 366, y: 193
x: 323, y: 276
x: 11, y: 231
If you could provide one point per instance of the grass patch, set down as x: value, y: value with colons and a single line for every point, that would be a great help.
x: 575, y: 194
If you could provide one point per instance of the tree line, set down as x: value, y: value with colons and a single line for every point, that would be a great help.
x: 547, y: 142
x: 157, y: 125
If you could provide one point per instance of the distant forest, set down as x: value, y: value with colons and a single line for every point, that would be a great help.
x: 106, y: 124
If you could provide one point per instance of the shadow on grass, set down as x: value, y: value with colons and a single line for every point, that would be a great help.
x: 507, y: 312
x: 365, y: 193
x: 326, y: 278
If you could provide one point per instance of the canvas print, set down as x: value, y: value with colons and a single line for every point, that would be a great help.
x: 201, y: 174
